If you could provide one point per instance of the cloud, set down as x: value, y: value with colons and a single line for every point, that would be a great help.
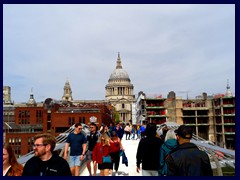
x: 163, y: 48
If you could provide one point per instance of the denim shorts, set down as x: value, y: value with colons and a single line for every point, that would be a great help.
x: 74, y: 161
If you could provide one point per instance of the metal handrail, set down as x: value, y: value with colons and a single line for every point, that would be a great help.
x: 61, y: 140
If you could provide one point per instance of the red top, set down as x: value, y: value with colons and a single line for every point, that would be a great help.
x: 115, y: 146
x: 99, y: 151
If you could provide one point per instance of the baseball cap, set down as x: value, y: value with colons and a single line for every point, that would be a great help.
x: 184, y: 132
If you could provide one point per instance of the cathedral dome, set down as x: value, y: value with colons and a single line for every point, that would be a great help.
x: 119, y: 73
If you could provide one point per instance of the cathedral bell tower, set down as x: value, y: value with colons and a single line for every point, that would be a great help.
x: 67, y: 94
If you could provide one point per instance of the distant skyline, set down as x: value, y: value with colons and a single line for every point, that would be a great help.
x: 163, y: 47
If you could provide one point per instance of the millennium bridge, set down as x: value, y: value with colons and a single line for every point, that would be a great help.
x: 219, y: 156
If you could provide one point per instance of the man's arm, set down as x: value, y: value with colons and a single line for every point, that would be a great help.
x: 66, y: 151
x: 121, y: 146
x: 139, y: 156
x: 207, y: 169
x: 171, y: 168
x: 84, y: 146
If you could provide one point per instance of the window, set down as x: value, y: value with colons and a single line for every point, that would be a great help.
x: 10, y: 141
x: 29, y: 141
x: 82, y: 120
x: 39, y: 117
x: 24, y: 117
x: 71, y: 121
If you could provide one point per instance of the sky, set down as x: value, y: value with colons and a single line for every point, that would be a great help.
x: 185, y: 48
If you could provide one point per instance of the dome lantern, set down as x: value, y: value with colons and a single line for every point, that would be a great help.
x: 119, y: 63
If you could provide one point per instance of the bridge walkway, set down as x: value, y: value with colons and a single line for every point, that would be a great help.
x: 225, y: 159
x: 130, y: 147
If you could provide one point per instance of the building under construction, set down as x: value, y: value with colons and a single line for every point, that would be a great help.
x: 212, y: 118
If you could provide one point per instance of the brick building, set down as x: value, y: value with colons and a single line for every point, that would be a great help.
x: 51, y: 116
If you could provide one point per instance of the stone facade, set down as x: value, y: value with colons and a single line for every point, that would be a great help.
x: 6, y: 95
x: 67, y: 92
x: 119, y: 92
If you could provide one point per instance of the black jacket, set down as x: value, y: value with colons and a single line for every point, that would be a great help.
x: 92, y: 139
x: 148, y: 153
x: 55, y: 166
x: 188, y: 160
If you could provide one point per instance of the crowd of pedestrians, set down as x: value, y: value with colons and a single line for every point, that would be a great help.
x: 106, y: 153
x: 187, y: 159
x: 169, y: 153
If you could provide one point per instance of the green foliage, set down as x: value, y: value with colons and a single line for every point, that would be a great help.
x: 116, y: 117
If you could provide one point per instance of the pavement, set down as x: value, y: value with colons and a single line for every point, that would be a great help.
x: 130, y: 147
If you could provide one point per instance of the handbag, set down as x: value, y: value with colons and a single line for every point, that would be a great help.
x: 107, y: 159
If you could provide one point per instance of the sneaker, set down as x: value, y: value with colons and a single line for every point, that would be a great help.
x: 116, y: 174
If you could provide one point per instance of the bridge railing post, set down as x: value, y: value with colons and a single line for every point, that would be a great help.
x: 219, y: 169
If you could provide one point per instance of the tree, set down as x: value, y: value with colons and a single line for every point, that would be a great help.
x: 116, y: 116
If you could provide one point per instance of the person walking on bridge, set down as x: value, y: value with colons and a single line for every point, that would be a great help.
x: 187, y: 159
x: 127, y: 131
x: 101, y: 152
x: 116, y: 145
x: 45, y: 161
x: 168, y: 146
x: 77, y: 143
x: 142, y: 131
x: 119, y: 130
x: 148, y: 152
x: 92, y: 140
